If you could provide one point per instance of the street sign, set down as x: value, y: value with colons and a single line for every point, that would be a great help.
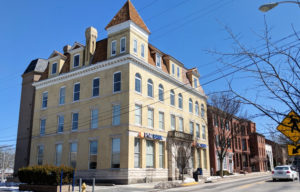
x: 294, y: 150
x: 290, y: 126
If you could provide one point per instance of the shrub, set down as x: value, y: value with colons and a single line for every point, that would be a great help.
x: 224, y: 173
x: 45, y: 175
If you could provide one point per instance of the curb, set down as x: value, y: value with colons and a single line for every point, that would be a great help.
x: 189, y: 184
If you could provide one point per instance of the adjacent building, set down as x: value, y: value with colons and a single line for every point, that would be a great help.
x: 114, y: 109
x: 270, y: 161
x: 280, y: 156
x: 258, y: 152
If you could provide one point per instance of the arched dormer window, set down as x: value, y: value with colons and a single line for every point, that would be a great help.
x: 150, y: 88
x: 180, y: 101
x: 138, y: 82
x: 161, y: 92
x: 190, y: 105
x: 172, y: 97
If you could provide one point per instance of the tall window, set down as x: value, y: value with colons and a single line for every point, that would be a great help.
x: 197, y: 130
x: 117, y: 82
x: 116, y: 115
x: 45, y: 100
x: 40, y: 154
x: 173, y: 122
x: 204, y: 158
x: 113, y: 48
x: 161, y: 92
x: 197, y: 108
x: 150, y: 117
x: 178, y: 72
x: 158, y: 60
x: 76, y: 61
x: 42, y: 126
x: 58, y: 154
x: 161, y: 155
x: 75, y: 121
x: 61, y: 122
x: 190, y: 105
x: 149, y: 154
x: 62, y: 95
x: 199, y: 157
x: 180, y: 124
x: 137, y: 153
x: 173, y: 69
x: 123, y: 45
x: 203, y: 132
x: 143, y: 50
x: 93, y: 154
x: 135, y: 46
x: 76, y: 92
x: 172, y: 97
x: 191, y: 128
x: 96, y: 87
x: 150, y: 87
x: 138, y: 82
x: 94, y: 118
x: 195, y: 83
x: 115, y: 153
x: 54, y: 68
x: 161, y: 120
x: 138, y: 115
x: 180, y: 101
x: 73, y: 154
x: 202, y: 110
x: 244, y: 144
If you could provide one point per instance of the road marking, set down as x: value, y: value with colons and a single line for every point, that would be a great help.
x: 249, y: 185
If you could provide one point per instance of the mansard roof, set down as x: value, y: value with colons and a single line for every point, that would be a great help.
x: 126, y: 13
x: 37, y: 65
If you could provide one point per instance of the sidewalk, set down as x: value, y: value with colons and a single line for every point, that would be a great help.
x: 149, y: 187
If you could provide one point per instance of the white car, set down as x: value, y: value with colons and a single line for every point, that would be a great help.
x: 284, y: 172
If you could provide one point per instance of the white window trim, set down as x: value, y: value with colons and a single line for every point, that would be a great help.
x: 121, y: 45
x: 140, y: 78
x: 141, y: 109
x: 52, y: 68
x: 114, y: 82
x: 111, y: 46
x: 173, y: 69
x: 156, y: 56
x: 43, y: 99
x: 135, y: 52
x: 41, y: 127
x: 151, y: 109
x: 74, y: 67
x: 60, y: 95
x: 74, y: 92
x: 172, y: 115
x: 143, y: 46
x: 178, y: 72
x: 93, y: 87
x: 152, y: 88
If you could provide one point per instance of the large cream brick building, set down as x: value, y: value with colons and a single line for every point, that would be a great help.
x: 114, y: 109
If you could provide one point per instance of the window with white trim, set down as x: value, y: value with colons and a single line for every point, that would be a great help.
x: 143, y: 50
x: 197, y: 108
x: 42, y: 126
x: 173, y: 122
x: 137, y: 153
x: 149, y: 154
x: 76, y: 92
x: 115, y: 153
x: 40, y: 154
x: 150, y: 117
x: 158, y: 60
x: 191, y: 128
x: 150, y: 88
x: 180, y: 101
x: 178, y: 72
x: 202, y: 110
x: 190, y: 105
x: 123, y: 45
x: 161, y: 92
x: 116, y: 115
x: 93, y: 154
x: 161, y: 120
x: 96, y: 87
x: 113, y: 48
x: 138, y: 83
x: 161, y: 155
x: 203, y: 132
x: 172, y: 97
x: 94, y: 118
x: 44, y: 100
x: 195, y: 82
x: 173, y: 69
x: 58, y: 154
x: 180, y: 124
x: 54, y: 68
x: 75, y: 117
x: 76, y: 61
x: 197, y: 130
x: 117, y: 82
x: 61, y: 122
x: 73, y: 154
x: 138, y: 114
x: 135, y: 46
x: 62, y: 95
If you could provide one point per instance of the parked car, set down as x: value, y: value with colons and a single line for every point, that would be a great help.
x: 284, y: 172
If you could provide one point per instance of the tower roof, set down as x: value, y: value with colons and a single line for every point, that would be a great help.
x: 128, y: 12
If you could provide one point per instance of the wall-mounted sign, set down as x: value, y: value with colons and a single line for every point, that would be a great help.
x: 200, y: 145
x: 150, y: 136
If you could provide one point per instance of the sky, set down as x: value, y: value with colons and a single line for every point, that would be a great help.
x: 185, y: 29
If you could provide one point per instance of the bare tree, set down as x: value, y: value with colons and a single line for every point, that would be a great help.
x: 223, y: 108
x: 7, y: 157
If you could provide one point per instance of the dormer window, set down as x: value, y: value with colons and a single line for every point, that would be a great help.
x: 76, y: 61
x: 158, y: 60
x: 195, y: 83
x: 113, y: 48
x: 54, y: 68
x: 123, y: 45
x: 135, y: 46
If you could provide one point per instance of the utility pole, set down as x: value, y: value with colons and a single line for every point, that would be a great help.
x: 2, y: 169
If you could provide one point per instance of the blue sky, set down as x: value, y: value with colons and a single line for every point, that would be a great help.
x: 182, y: 28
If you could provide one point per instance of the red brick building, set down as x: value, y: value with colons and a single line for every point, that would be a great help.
x: 258, y: 152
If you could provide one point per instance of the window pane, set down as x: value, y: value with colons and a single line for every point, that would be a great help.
x: 202, y: 110
x: 150, y: 88
x: 117, y: 82
x: 62, y: 93
x: 173, y: 69
x: 75, y: 121
x: 116, y: 115
x: 61, y: 120
x: 138, y: 83
x: 76, y: 61
x: 123, y: 45
x: 158, y: 60
x: 76, y: 94
x: 93, y: 154
x: 172, y: 122
x: 142, y: 50
x: 161, y: 92
x: 96, y: 86
x: 45, y: 100
x: 58, y: 154
x: 73, y: 154
x: 198, y: 130
x: 150, y: 118
x: 94, y: 119
x: 197, y: 108
x: 180, y: 101
x: 203, y: 132
x: 149, y: 154
x: 178, y: 72
x: 136, y: 153
x: 180, y: 124
x: 161, y: 121
x: 172, y: 98
x: 40, y: 154
x: 161, y: 155
x: 190, y: 106
x: 113, y: 47
x: 138, y: 115
x: 115, y: 162
x: 42, y: 126
x: 135, y: 46
x: 54, y: 68
x: 191, y: 128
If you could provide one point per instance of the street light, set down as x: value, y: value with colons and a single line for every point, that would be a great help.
x: 269, y: 6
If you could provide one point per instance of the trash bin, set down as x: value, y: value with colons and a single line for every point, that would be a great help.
x: 199, y: 170
x: 195, y: 176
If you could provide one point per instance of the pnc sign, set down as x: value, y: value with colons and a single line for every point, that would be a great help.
x: 290, y: 126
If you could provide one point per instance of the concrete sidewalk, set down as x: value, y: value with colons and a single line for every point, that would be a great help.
x: 149, y: 187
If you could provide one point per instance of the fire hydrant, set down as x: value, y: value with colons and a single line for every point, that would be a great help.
x: 83, y: 187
